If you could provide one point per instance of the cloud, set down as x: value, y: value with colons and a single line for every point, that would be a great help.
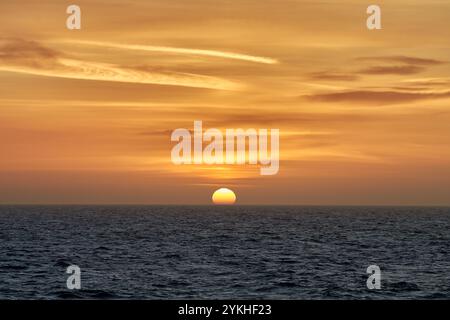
x: 414, y: 89
x: 201, y: 52
x: 403, y: 59
x: 333, y: 76
x: 428, y: 82
x: 397, y: 70
x: 375, y: 97
x: 18, y: 49
x: 24, y: 52
x: 408, y: 65
x: 272, y: 120
x: 30, y: 57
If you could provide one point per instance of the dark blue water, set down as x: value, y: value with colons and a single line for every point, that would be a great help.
x: 224, y: 252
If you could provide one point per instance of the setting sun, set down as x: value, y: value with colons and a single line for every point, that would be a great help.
x: 224, y: 196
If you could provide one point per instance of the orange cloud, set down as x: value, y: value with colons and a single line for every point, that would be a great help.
x: 32, y: 58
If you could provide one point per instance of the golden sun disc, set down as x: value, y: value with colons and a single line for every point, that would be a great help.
x: 223, y: 196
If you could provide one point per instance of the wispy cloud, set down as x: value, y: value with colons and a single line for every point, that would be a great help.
x: 393, y: 70
x: 403, y: 59
x: 82, y: 70
x: 333, y: 76
x: 175, y: 50
x: 428, y: 82
x: 397, y: 65
x: 16, y: 49
x: 30, y: 57
x: 375, y: 97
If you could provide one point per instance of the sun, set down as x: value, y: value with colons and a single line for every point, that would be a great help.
x: 223, y: 196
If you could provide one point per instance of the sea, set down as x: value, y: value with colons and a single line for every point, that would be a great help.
x: 213, y: 252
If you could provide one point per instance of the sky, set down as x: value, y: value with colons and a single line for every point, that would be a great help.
x: 86, y: 115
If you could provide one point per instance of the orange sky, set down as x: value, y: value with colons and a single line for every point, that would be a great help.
x: 86, y: 116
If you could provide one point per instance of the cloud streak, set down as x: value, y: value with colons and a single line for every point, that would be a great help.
x: 82, y: 70
x: 375, y: 97
x: 403, y: 59
x: 392, y: 70
x: 175, y: 50
x: 30, y: 57
x: 333, y: 76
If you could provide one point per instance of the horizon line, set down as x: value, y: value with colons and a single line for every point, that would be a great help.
x: 234, y: 205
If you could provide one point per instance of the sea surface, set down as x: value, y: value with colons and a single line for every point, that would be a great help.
x: 187, y: 252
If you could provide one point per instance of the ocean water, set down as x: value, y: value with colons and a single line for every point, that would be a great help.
x: 186, y: 252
